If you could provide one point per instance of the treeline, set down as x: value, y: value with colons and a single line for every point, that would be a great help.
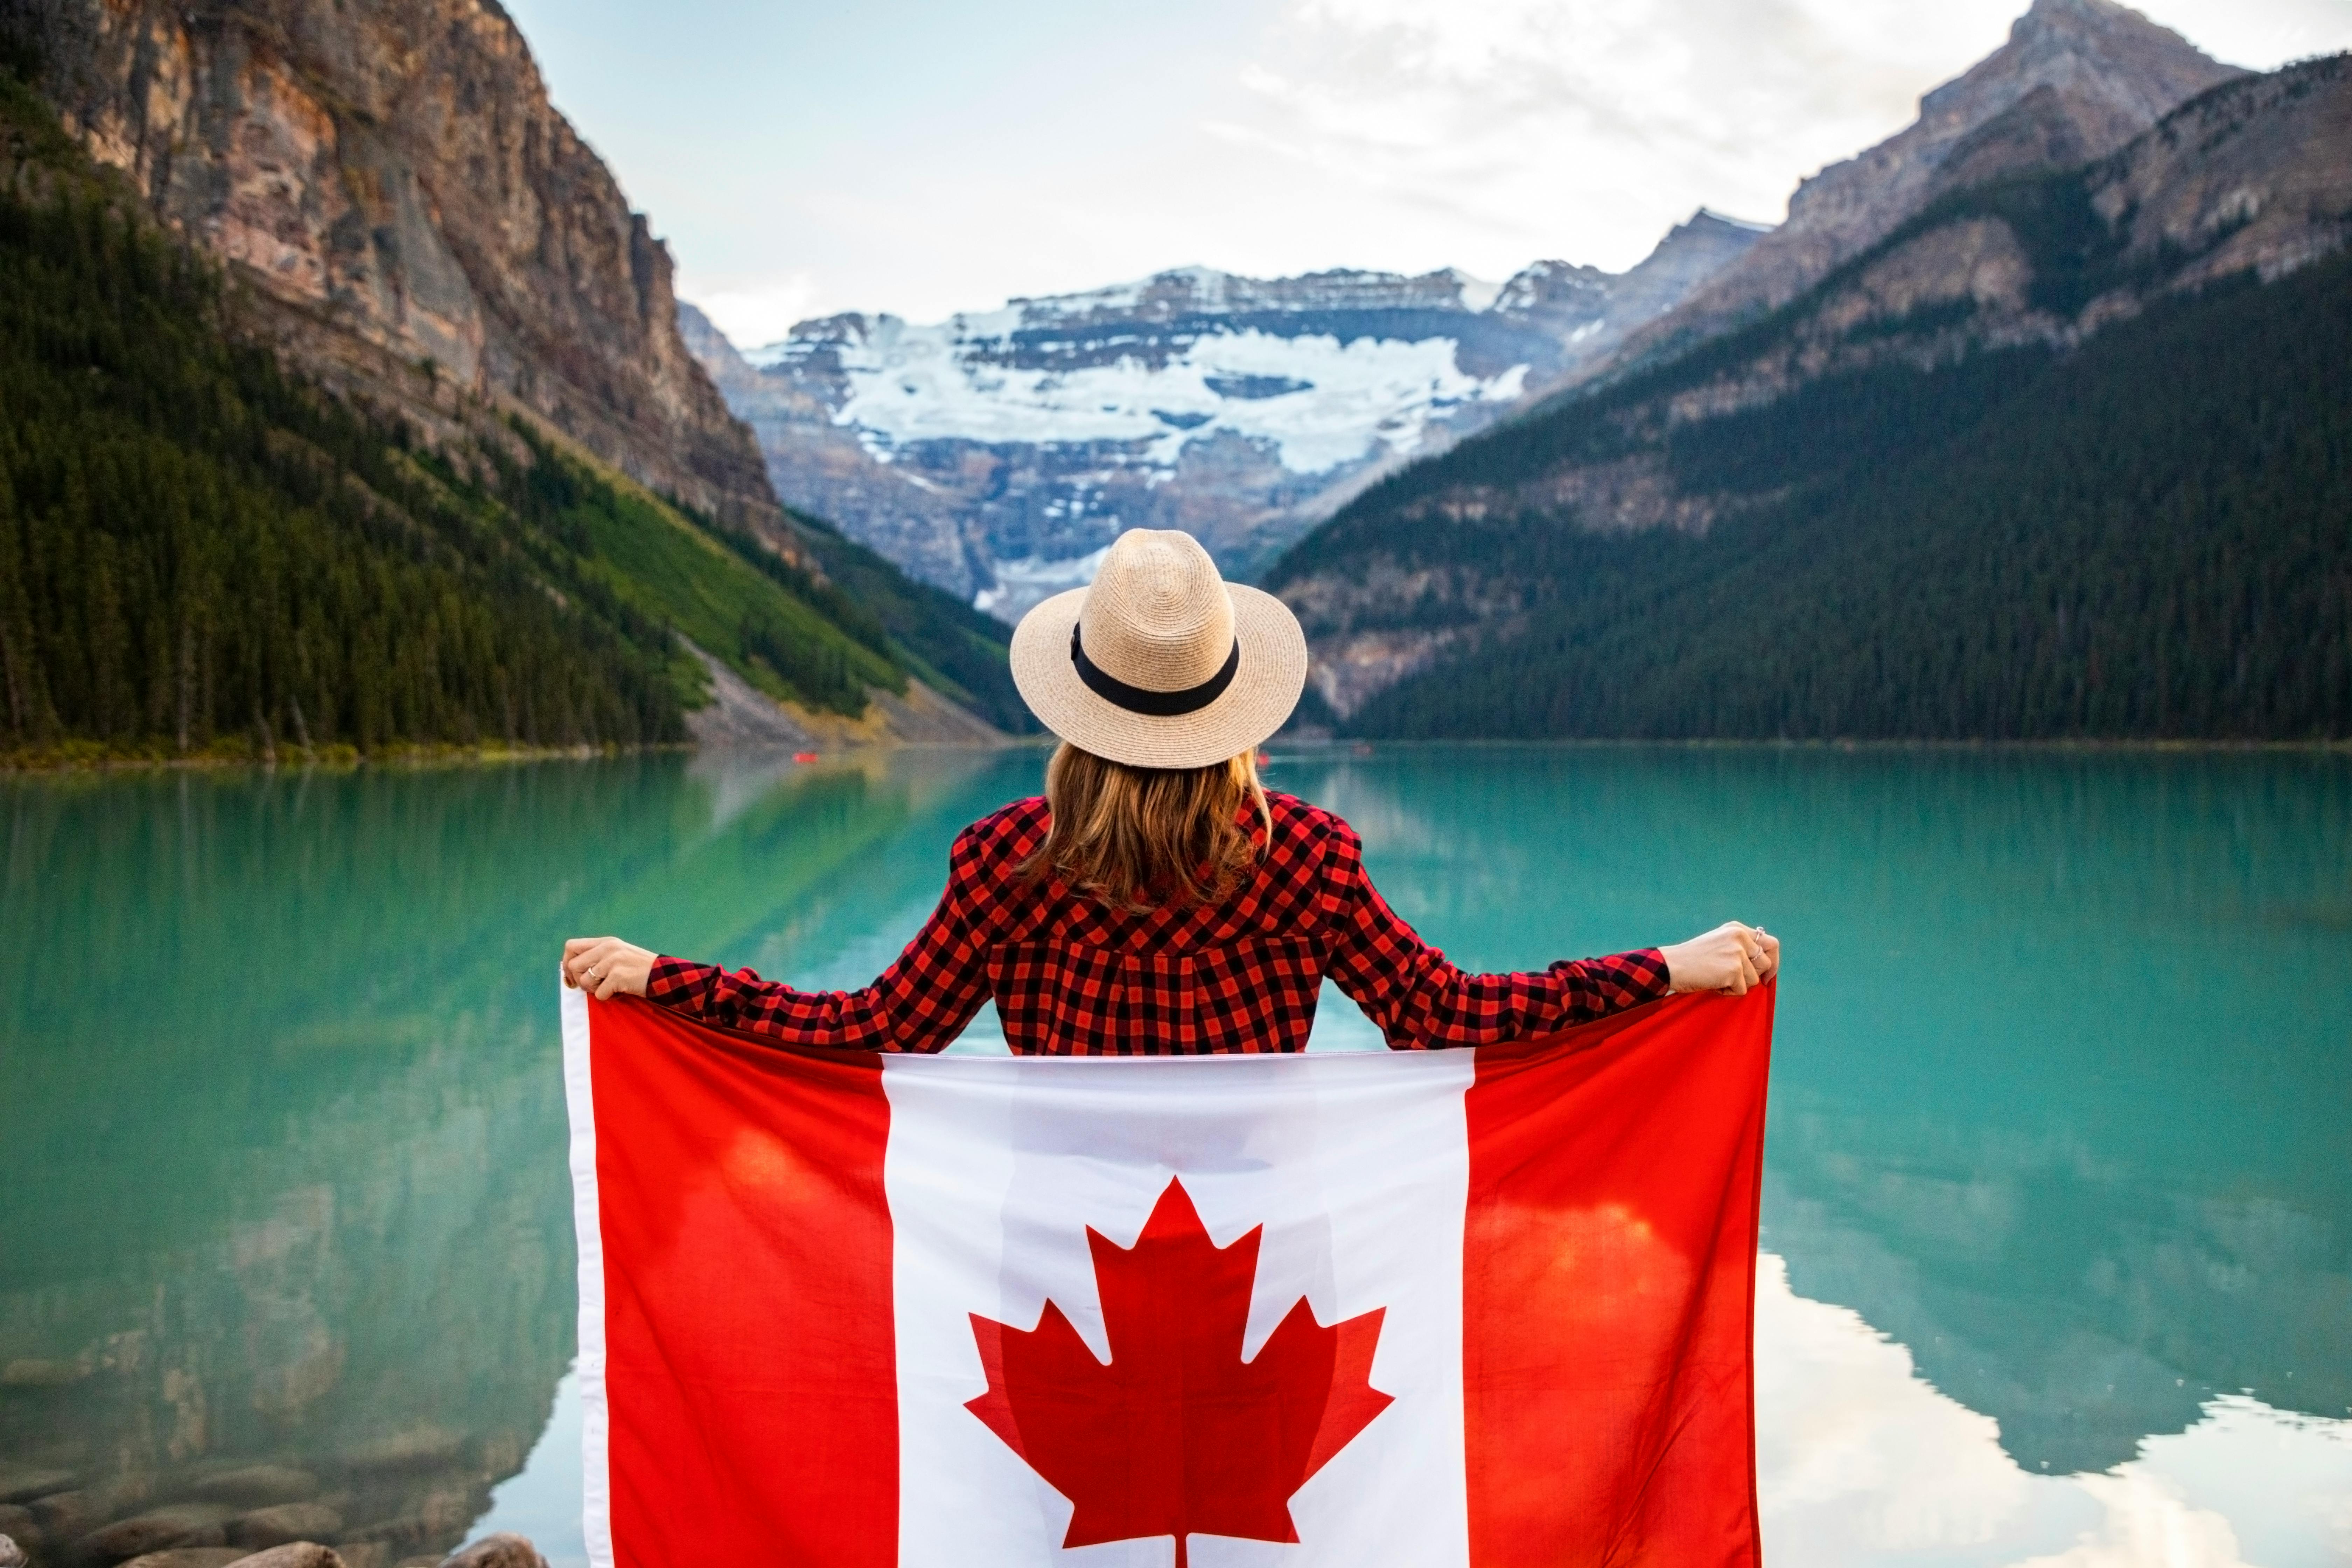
x: 958, y: 650
x: 201, y: 552
x: 194, y: 548
x: 730, y: 597
x: 2151, y: 537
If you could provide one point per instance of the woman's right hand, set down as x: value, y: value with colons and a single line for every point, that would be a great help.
x: 1728, y: 959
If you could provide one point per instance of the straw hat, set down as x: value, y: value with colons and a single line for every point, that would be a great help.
x: 1160, y: 663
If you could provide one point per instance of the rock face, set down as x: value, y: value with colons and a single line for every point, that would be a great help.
x: 390, y: 176
x: 2252, y: 180
x: 996, y: 453
x: 2076, y: 79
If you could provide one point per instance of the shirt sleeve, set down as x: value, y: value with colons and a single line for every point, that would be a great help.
x: 921, y: 1002
x: 1421, y: 1002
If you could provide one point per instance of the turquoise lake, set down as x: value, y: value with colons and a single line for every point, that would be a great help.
x: 2058, y: 1208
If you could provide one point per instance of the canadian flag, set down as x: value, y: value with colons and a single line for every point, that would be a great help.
x: 1334, y: 1311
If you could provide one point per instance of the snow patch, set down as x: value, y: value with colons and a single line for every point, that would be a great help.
x: 908, y: 384
x: 1478, y: 294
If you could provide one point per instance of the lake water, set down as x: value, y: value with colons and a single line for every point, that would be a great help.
x: 2058, y: 1209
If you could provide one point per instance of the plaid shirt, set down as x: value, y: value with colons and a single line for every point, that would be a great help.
x: 1073, y: 977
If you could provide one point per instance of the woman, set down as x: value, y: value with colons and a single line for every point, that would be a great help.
x: 1157, y: 900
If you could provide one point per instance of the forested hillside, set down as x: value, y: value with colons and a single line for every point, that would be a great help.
x: 2067, y: 453
x: 2151, y: 537
x: 941, y: 638
x: 201, y: 553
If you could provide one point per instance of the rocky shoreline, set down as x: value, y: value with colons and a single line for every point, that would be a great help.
x: 491, y: 1552
x: 255, y: 1516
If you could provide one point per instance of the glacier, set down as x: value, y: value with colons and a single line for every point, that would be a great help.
x: 905, y: 383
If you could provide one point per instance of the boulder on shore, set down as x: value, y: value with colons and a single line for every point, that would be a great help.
x: 284, y: 1524
x: 190, y: 1557
x: 178, y: 1524
x: 23, y: 1483
x: 65, y: 1515
x: 500, y: 1551
x: 294, y: 1554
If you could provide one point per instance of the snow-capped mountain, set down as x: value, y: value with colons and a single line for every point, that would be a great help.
x: 996, y: 453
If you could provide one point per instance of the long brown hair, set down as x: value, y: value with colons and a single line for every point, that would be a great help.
x: 1142, y: 837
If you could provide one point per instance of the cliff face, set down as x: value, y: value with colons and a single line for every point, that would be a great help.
x: 392, y: 178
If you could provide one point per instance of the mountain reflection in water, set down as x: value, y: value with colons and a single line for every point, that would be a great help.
x: 2059, y: 1180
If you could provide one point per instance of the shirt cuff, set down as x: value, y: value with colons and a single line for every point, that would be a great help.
x: 1630, y: 979
x: 680, y: 983
x: 1656, y: 979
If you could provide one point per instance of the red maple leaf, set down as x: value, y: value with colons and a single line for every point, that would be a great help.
x: 1178, y: 1435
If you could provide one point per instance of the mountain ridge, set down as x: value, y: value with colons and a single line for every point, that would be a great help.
x: 995, y: 452
x: 1770, y: 428
x: 2073, y: 80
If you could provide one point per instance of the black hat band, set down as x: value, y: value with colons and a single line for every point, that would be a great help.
x: 1153, y: 704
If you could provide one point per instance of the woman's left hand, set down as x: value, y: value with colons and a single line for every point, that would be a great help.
x: 606, y: 967
x: 1727, y: 960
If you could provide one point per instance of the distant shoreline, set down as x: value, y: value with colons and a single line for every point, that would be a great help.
x: 86, y: 757
x: 90, y: 757
x: 2070, y: 743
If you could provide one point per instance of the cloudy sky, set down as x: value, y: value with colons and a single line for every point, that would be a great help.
x: 926, y: 156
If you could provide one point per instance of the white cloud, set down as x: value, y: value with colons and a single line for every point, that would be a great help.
x: 1584, y: 129
x: 944, y: 162
x: 2147, y: 1525
x: 755, y: 310
x: 1862, y: 1463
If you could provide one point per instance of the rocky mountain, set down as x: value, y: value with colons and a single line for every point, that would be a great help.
x: 2076, y: 79
x: 440, y: 468
x: 2049, y: 458
x: 994, y: 453
x: 393, y: 180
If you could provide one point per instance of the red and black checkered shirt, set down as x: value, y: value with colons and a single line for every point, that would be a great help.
x: 1072, y: 977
